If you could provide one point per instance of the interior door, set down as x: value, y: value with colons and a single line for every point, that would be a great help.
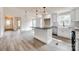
x: 17, y: 23
x: 8, y: 23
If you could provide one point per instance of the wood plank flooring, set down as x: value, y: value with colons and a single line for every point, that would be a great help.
x: 16, y: 41
x: 24, y: 41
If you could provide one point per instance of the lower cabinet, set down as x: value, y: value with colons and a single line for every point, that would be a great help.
x: 63, y: 46
x: 77, y: 40
x: 77, y: 44
x: 64, y: 32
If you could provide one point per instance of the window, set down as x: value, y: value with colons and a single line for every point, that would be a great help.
x: 8, y: 22
x: 64, y: 20
x: 19, y: 24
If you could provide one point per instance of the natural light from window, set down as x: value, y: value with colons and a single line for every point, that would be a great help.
x: 64, y: 20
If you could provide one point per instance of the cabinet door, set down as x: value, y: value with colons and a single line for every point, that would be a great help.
x: 73, y: 15
x: 77, y: 15
x: 64, y: 32
x: 60, y: 45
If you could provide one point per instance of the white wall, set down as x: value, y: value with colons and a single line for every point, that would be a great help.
x: 26, y: 21
x: 1, y: 21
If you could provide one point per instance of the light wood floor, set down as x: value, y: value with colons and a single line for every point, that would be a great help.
x: 24, y: 41
x: 15, y: 41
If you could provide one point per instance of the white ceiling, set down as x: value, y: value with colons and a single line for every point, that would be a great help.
x: 31, y: 11
x: 49, y: 9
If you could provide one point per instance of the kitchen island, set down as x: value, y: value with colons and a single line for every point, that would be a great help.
x: 43, y: 34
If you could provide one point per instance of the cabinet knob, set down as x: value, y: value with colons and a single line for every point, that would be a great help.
x: 56, y: 43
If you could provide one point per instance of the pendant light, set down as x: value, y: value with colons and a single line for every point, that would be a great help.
x: 44, y: 11
x: 25, y: 13
x: 36, y: 12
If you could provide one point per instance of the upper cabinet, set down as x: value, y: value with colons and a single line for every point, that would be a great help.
x: 54, y: 20
x: 47, y: 22
x: 42, y: 21
x: 75, y: 14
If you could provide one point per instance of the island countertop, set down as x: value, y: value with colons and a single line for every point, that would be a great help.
x: 43, y: 27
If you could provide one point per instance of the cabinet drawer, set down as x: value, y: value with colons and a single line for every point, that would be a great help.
x: 62, y: 45
x: 77, y: 34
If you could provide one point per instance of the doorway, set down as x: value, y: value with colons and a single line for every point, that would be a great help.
x: 12, y: 23
x: 17, y: 23
x: 8, y: 23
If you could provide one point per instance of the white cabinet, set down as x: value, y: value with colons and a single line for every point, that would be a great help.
x: 75, y: 14
x: 64, y: 32
x: 54, y: 20
x: 42, y: 22
x: 44, y: 35
x: 64, y: 46
x: 60, y: 45
x: 47, y: 22
x: 77, y: 34
x: 77, y: 40
x: 38, y: 22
